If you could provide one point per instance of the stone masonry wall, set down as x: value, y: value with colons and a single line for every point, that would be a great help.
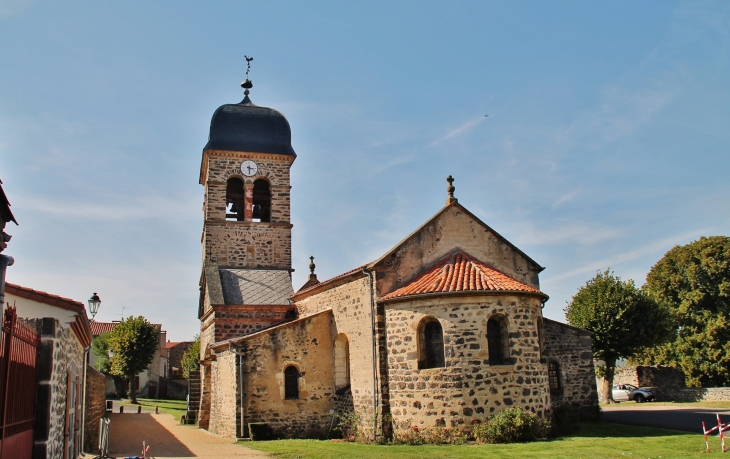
x: 221, y: 167
x: 650, y: 376
x: 572, y: 350
x: 248, y: 245
x: 95, y: 408
x: 308, y: 345
x: 694, y: 394
x: 59, y: 354
x: 467, y: 387
x: 350, y: 306
x: 452, y: 229
x: 224, y: 401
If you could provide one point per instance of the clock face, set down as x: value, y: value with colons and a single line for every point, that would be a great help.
x: 249, y: 168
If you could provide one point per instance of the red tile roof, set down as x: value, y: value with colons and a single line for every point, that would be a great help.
x: 97, y: 328
x: 460, y: 272
x: 80, y: 325
x: 43, y: 297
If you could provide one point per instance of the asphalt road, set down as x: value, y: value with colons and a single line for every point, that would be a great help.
x: 667, y: 417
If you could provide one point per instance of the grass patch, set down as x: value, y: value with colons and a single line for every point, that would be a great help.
x: 174, y: 407
x: 593, y: 440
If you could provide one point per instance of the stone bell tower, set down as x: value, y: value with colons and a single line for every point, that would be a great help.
x: 246, y: 242
x: 245, y: 172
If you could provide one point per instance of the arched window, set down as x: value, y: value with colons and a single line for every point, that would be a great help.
x: 554, y: 377
x: 261, y: 201
x: 291, y: 383
x: 498, y: 341
x: 235, y: 199
x: 431, y: 345
x: 342, y: 362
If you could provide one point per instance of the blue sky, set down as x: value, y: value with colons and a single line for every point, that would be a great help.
x: 606, y: 142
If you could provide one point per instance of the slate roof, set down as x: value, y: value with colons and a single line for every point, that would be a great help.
x: 460, y: 272
x: 260, y: 286
x: 248, y: 127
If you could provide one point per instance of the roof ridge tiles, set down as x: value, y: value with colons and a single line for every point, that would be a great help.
x: 460, y: 272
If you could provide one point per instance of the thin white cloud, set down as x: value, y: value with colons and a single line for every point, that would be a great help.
x: 461, y: 130
x: 126, y: 208
x: 12, y: 7
x: 657, y: 246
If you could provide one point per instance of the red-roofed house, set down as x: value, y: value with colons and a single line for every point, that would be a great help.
x: 148, y: 381
x: 62, y: 370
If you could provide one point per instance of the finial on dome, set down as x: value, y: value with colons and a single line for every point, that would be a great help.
x: 247, y: 84
x: 450, y: 189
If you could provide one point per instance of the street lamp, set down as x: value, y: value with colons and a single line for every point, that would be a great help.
x: 94, y: 303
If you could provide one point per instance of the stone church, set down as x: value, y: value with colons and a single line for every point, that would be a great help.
x: 444, y: 328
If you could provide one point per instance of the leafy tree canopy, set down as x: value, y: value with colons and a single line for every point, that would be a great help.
x: 133, y: 343
x: 693, y: 281
x: 100, y: 348
x: 191, y: 358
x: 623, y: 319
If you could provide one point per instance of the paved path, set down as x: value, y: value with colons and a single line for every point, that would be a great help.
x: 169, y: 439
x: 688, y: 419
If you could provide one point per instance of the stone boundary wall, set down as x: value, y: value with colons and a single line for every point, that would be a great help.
x: 650, y: 376
x: 95, y: 407
x: 694, y: 394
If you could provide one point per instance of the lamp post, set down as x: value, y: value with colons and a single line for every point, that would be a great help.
x: 94, y: 303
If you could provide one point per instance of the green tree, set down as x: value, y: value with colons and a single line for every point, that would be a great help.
x: 132, y: 344
x: 623, y: 319
x: 191, y: 358
x: 100, y: 348
x: 693, y: 281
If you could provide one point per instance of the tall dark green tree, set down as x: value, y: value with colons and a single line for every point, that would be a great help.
x: 623, y: 319
x: 694, y: 282
x: 132, y: 345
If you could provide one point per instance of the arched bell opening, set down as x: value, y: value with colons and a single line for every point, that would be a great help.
x: 235, y: 200
x: 261, y: 201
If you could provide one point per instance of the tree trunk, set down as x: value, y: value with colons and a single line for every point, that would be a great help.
x: 133, y: 389
x: 606, y: 394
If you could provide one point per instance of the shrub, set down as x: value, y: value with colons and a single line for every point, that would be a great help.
x: 347, y: 427
x: 439, y: 435
x: 565, y: 419
x: 511, y: 426
x: 260, y: 431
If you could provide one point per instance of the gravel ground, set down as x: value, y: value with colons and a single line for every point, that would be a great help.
x: 168, y: 439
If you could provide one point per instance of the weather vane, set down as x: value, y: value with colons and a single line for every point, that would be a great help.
x: 246, y: 85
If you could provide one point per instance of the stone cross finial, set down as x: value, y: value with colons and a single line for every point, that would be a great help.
x: 450, y: 189
x: 312, y: 276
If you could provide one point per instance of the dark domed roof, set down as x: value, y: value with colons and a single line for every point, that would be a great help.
x: 248, y: 127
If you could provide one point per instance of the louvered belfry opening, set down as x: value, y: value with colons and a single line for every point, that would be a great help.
x: 261, y: 201
x: 432, y: 345
x: 291, y: 383
x: 494, y: 341
x: 235, y: 199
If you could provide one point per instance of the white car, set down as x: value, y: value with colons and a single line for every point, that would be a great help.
x: 626, y: 392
